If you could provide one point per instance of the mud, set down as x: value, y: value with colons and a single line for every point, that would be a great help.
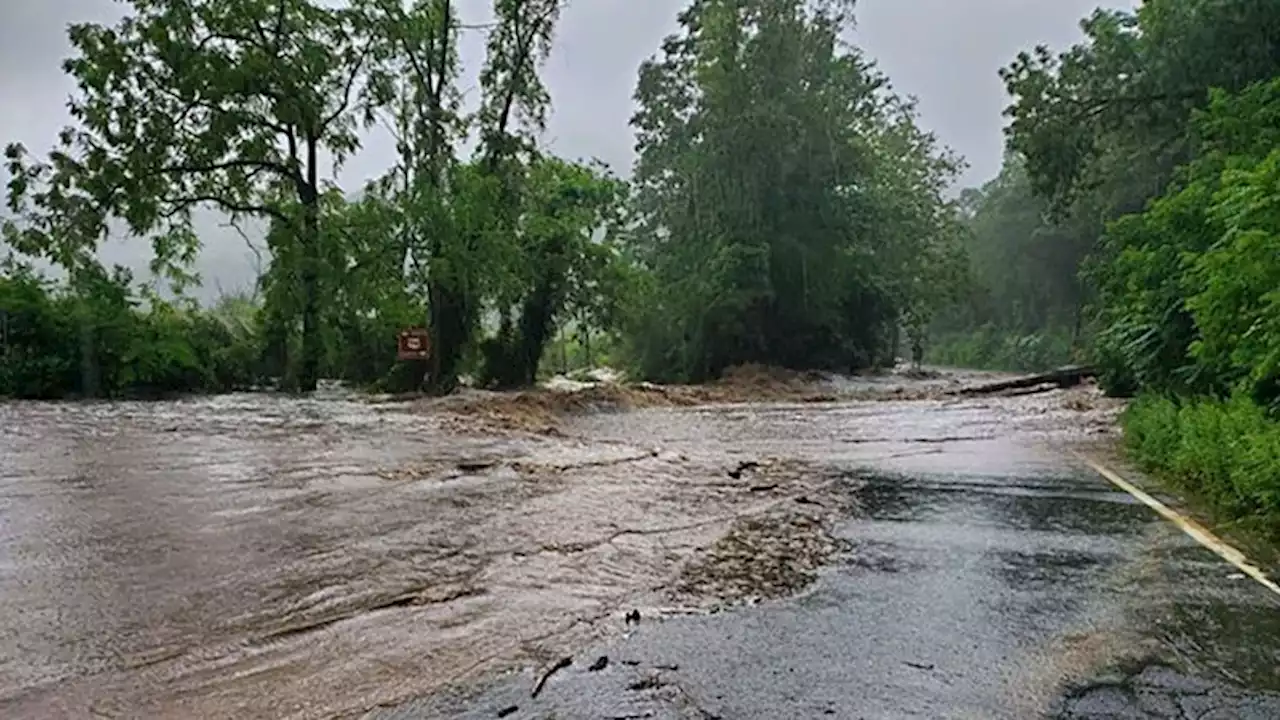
x: 263, y: 556
x: 543, y: 411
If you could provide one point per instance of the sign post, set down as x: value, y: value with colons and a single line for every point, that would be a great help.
x: 413, y: 351
x: 413, y: 344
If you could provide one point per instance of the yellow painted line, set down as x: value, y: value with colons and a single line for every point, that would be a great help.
x: 1187, y: 525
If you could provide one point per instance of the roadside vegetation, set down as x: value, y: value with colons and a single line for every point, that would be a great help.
x: 724, y: 247
x: 1136, y: 225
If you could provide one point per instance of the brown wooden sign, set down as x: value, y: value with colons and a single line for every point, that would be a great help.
x: 413, y: 344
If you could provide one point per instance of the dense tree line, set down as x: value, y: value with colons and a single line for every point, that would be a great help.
x: 1142, y: 191
x: 727, y: 246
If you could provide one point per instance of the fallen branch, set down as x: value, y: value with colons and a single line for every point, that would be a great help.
x: 1064, y: 377
x: 560, y: 665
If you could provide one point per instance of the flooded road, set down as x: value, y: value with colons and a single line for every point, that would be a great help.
x: 266, y: 557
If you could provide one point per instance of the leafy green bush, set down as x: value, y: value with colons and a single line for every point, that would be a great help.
x: 1226, y: 452
x: 92, y: 338
x: 1188, y: 300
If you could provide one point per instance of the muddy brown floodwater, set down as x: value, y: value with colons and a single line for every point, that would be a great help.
x: 254, y: 556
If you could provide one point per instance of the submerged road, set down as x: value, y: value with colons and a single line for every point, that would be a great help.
x: 253, y: 557
x: 986, y: 576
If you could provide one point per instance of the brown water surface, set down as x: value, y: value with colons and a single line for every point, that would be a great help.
x: 262, y: 556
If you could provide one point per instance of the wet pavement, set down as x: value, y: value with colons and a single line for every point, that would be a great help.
x: 256, y: 556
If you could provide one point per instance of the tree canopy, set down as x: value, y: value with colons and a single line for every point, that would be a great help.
x: 724, y: 246
x: 804, y: 253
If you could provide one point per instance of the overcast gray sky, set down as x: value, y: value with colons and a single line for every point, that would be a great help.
x: 944, y: 52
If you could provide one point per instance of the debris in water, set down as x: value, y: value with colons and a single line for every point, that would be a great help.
x: 470, y: 466
x: 652, y: 682
x: 561, y: 664
x: 601, y: 663
x: 510, y: 710
x: 744, y: 466
x: 633, y: 617
x: 540, y: 410
x: 761, y: 557
x: 1063, y: 377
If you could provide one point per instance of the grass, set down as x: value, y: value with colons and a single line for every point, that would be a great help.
x: 1225, y: 454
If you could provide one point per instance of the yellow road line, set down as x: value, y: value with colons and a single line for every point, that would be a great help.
x: 1187, y: 525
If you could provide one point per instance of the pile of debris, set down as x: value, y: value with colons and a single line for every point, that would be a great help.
x: 539, y: 410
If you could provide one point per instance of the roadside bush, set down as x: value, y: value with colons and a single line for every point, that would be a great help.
x: 1225, y: 452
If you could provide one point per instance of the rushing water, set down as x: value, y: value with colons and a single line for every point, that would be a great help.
x: 264, y: 556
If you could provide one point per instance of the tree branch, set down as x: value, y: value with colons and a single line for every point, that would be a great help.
x: 257, y: 255
x: 346, y: 92
x: 1092, y: 107
x: 238, y: 163
x: 186, y: 202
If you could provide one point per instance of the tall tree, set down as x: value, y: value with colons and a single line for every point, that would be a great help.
x: 513, y: 112
x: 432, y: 195
x: 566, y: 234
x: 1111, y: 114
x: 459, y: 222
x: 797, y: 253
x: 229, y: 103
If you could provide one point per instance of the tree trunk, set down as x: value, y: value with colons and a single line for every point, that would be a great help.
x: 90, y: 378
x: 564, y: 351
x: 450, y: 330
x: 309, y: 369
x: 535, y: 329
x: 312, y: 348
x: 1064, y: 377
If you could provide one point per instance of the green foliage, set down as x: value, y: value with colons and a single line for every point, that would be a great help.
x: 1021, y: 308
x: 729, y: 246
x: 1237, y: 306
x: 804, y: 253
x: 566, y: 233
x: 577, y: 350
x: 90, y: 338
x: 227, y: 103
x: 1164, y: 123
x: 1225, y: 451
x: 37, y: 329
x: 1108, y: 118
x: 990, y: 347
x: 1186, y: 289
x: 1153, y: 124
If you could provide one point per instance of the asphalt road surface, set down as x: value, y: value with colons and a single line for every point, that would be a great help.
x: 252, y: 557
x: 991, y: 577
